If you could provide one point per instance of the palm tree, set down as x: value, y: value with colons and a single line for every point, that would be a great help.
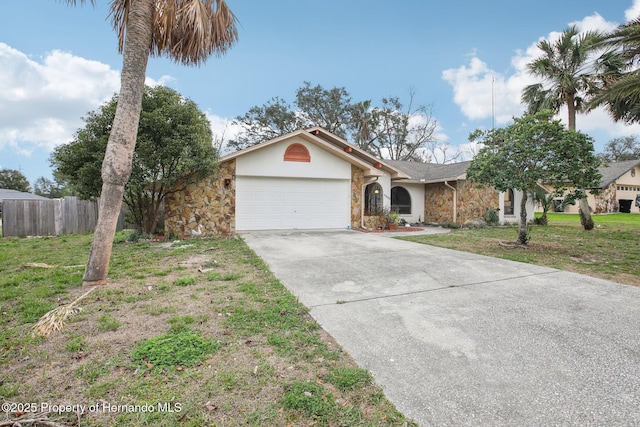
x: 619, y: 83
x: 567, y: 76
x: 187, y: 31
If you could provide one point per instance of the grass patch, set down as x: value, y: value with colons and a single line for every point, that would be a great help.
x: 183, y: 348
x: 311, y: 399
x: 346, y: 378
x: 609, y: 251
x: 185, y: 281
x: 215, y: 276
x: 75, y: 344
x: 232, y: 346
x: 107, y: 322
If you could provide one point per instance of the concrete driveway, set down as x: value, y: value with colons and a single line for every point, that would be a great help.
x: 460, y: 339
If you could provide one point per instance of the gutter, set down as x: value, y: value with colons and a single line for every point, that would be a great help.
x: 455, y: 201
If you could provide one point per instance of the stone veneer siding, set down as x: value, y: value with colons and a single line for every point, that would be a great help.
x: 472, y: 201
x: 209, y: 203
x: 357, y: 183
x: 606, y: 201
x: 375, y: 222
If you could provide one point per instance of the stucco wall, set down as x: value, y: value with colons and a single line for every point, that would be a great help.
x: 269, y: 161
x: 210, y: 203
x: 517, y: 195
x: 628, y: 187
x: 416, y: 192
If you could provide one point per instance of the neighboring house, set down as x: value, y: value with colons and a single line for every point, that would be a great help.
x: 619, y: 189
x: 17, y: 195
x: 312, y: 179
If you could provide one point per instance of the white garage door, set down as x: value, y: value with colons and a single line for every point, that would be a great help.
x: 291, y: 203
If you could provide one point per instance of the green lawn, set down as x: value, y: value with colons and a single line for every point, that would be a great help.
x: 200, y: 331
x: 610, y: 251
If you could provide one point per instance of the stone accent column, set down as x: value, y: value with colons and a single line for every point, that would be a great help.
x: 210, y: 204
x: 357, y: 183
x: 606, y: 201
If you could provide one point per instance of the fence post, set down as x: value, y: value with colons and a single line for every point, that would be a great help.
x: 58, y: 216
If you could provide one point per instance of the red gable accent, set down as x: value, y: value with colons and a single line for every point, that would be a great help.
x: 297, y: 153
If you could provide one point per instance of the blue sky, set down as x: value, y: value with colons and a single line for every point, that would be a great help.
x: 58, y: 62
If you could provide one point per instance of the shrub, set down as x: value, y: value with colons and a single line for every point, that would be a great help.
x: 492, y: 217
x: 541, y: 221
x: 476, y: 224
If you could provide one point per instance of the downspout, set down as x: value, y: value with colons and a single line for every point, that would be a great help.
x: 455, y: 201
x: 364, y: 186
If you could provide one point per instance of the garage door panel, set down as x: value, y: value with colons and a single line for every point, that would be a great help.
x: 287, y: 203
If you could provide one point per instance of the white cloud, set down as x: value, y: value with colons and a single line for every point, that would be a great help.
x: 222, y: 129
x: 473, y: 85
x: 482, y: 92
x: 42, y: 101
x: 633, y: 12
x: 594, y: 22
x: 162, y: 81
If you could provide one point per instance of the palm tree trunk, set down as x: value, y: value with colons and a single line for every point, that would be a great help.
x: 571, y: 109
x: 585, y: 214
x: 116, y: 166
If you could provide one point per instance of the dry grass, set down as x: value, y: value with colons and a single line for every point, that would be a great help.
x: 610, y: 251
x: 268, y: 344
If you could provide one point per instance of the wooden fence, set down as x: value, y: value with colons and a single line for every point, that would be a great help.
x: 50, y: 217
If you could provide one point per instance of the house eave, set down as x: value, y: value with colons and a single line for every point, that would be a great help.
x: 357, y: 152
x: 369, y: 168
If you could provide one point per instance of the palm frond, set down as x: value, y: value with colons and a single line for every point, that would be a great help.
x: 119, y: 13
x: 75, y: 2
x: 187, y: 31
x: 54, y: 320
x: 200, y: 28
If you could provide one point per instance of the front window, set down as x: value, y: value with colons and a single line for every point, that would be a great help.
x: 400, y: 201
x: 373, y: 199
x: 508, y: 202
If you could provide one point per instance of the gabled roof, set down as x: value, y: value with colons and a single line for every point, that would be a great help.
x: 371, y: 165
x: 426, y: 173
x: 612, y: 171
x: 19, y: 195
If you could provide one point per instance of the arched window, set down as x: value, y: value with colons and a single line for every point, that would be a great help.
x: 373, y: 199
x: 508, y: 202
x: 400, y: 201
x: 297, y: 153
